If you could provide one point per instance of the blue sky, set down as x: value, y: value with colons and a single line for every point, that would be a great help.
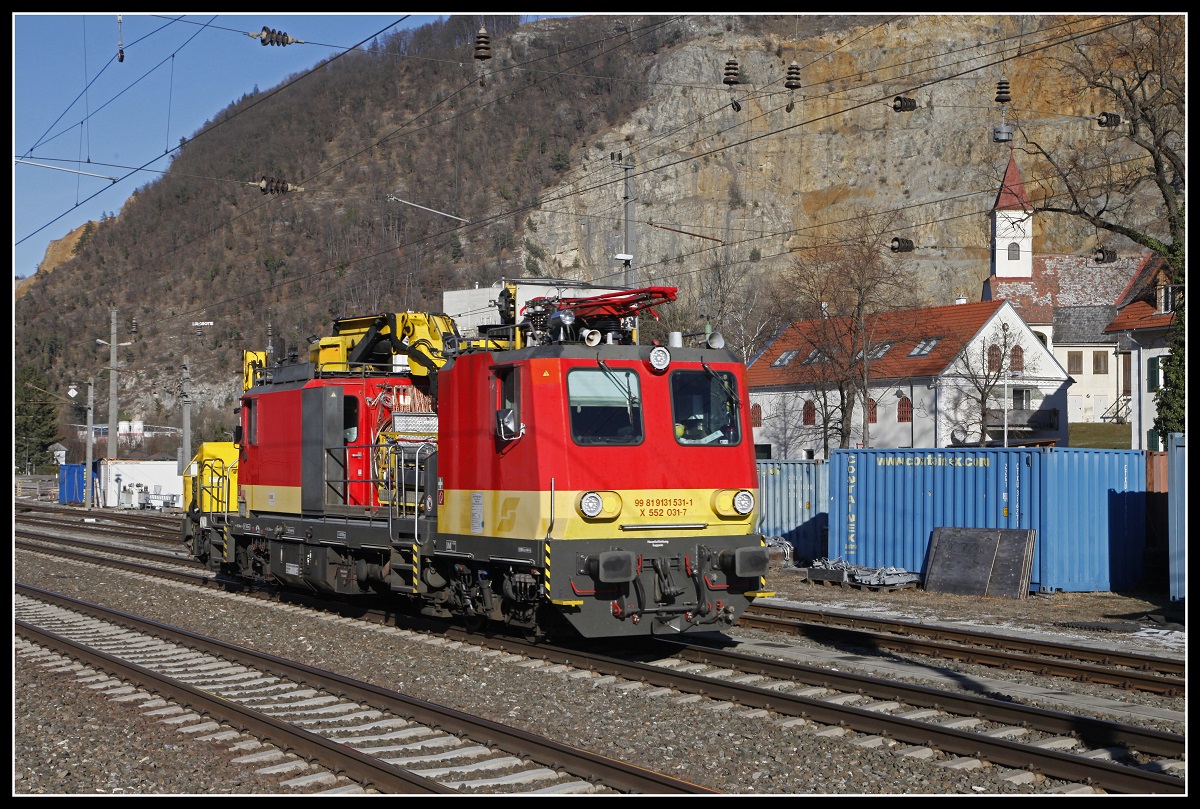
x: 74, y: 102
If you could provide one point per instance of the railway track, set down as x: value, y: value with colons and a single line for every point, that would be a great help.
x: 166, y: 521
x: 910, y: 720
x: 109, y: 522
x: 1126, y: 670
x: 913, y: 720
x: 1158, y: 675
x: 313, y: 725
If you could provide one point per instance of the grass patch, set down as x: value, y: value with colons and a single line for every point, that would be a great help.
x: 1100, y: 436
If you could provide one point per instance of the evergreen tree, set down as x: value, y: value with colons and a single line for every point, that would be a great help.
x: 1171, y: 394
x: 35, y: 427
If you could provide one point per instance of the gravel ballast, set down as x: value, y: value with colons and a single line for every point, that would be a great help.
x: 70, y: 740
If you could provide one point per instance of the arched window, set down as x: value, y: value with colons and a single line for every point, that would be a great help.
x: 1016, y: 359
x: 870, y: 411
x: 904, y: 410
x: 810, y: 413
x: 1014, y: 251
x: 993, y: 358
x: 755, y: 415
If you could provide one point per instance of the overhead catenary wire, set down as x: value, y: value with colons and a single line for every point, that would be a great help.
x: 499, y: 215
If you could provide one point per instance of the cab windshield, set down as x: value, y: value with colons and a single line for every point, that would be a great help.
x: 605, y: 405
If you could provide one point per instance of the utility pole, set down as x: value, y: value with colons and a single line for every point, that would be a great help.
x: 618, y: 161
x: 113, y: 410
x: 187, y: 417
x: 87, y: 466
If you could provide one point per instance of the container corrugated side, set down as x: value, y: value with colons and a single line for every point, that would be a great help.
x: 885, y: 503
x: 1177, y: 516
x: 1093, y: 526
x: 794, y: 505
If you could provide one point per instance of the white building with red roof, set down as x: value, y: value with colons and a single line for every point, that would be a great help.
x: 960, y: 375
x: 1145, y: 314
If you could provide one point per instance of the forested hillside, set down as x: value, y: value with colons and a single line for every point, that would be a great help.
x: 414, y: 167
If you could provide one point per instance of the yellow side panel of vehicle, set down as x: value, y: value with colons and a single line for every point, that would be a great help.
x: 252, y: 362
x: 211, y: 478
x: 532, y: 515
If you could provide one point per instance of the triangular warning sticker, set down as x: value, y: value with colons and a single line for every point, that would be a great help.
x: 545, y: 373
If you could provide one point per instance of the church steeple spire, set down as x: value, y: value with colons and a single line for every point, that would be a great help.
x: 1012, y: 194
x: 1012, y: 226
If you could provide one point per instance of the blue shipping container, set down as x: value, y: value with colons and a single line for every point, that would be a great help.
x: 70, y: 483
x: 1177, y: 514
x: 793, y: 503
x: 1085, y: 507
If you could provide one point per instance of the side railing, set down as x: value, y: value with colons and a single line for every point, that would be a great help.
x: 392, y: 482
x: 1118, y: 411
x: 404, y: 489
x: 215, y: 478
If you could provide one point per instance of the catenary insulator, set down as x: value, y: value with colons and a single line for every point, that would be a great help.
x: 269, y: 36
x: 483, y: 45
x: 1109, y: 119
x: 900, y: 245
x: 732, y: 73
x: 903, y: 104
x: 792, y: 82
x: 133, y: 326
x: 1002, y: 94
x: 270, y: 185
x: 1105, y: 255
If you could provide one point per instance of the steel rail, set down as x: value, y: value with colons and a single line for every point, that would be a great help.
x: 990, y: 656
x: 618, y: 775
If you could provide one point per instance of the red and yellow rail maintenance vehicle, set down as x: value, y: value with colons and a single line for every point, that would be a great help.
x: 552, y: 474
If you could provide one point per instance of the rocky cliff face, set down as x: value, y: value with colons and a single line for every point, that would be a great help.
x: 717, y: 186
x: 714, y: 187
x: 58, y: 252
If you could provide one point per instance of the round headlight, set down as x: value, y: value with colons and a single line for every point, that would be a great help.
x: 743, y: 502
x: 591, y: 504
x: 566, y: 317
x: 660, y: 358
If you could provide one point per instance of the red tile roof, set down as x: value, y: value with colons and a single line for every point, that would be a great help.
x: 1066, y: 280
x: 953, y: 325
x: 1137, y: 306
x: 1140, y: 315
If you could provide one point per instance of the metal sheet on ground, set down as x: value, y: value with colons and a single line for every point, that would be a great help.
x: 980, y: 561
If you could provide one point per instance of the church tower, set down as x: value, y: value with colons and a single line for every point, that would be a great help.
x: 1012, y: 227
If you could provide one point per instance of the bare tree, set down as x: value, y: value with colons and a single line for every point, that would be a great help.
x: 983, y: 367
x: 791, y: 420
x: 839, y: 284
x: 727, y: 298
x: 783, y: 424
x: 744, y: 314
x: 1135, y: 69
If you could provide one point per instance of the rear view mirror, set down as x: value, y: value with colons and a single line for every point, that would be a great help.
x: 507, y: 427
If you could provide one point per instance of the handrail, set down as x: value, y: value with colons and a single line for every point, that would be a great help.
x: 214, y: 485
